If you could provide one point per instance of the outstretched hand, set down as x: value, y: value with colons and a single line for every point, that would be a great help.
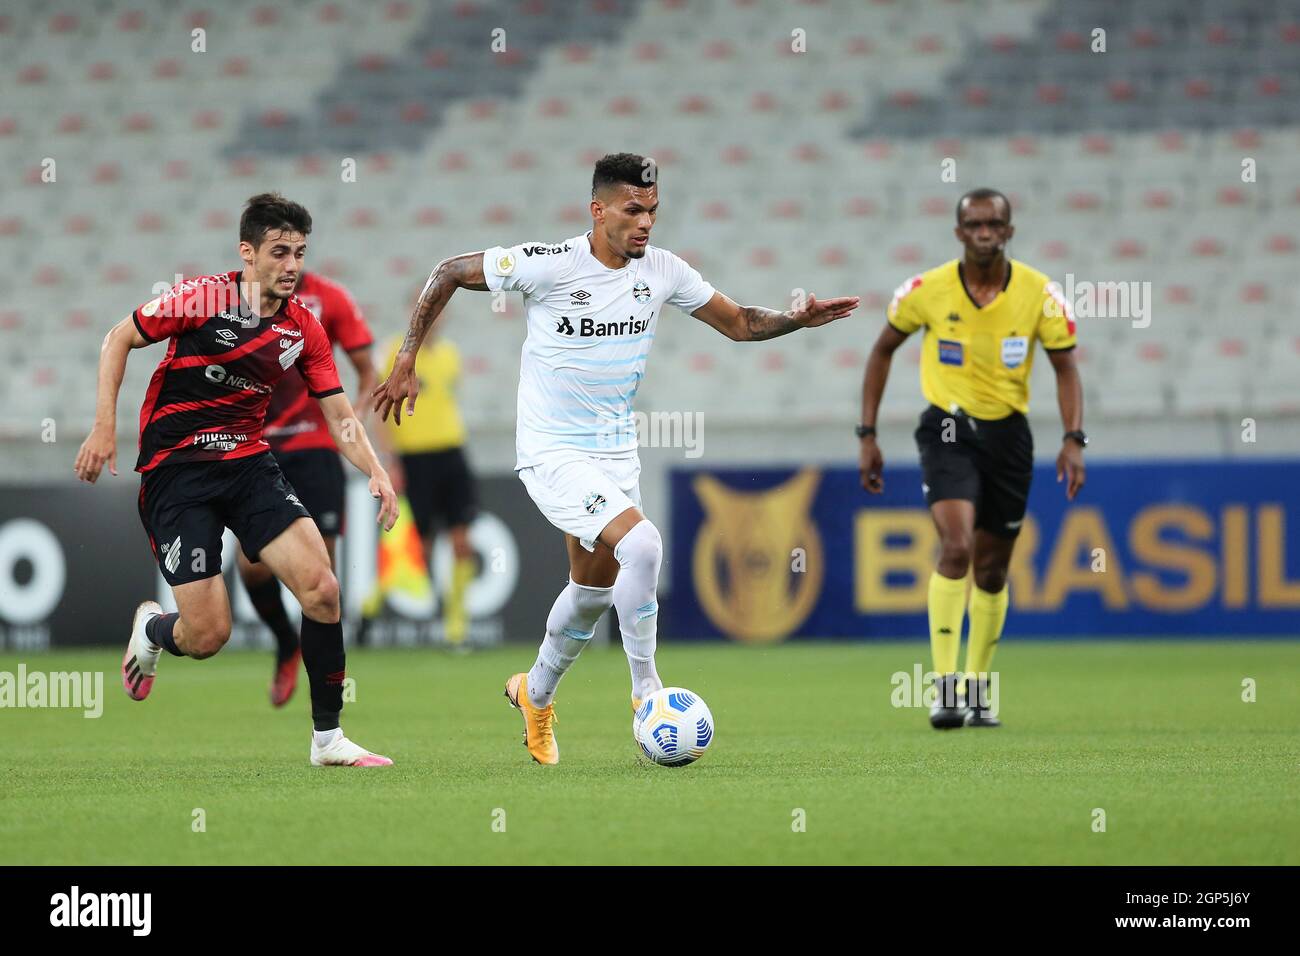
x: 827, y: 310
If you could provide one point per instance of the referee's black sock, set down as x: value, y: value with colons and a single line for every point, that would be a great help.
x: 326, y: 663
x: 269, y: 607
x: 159, y: 630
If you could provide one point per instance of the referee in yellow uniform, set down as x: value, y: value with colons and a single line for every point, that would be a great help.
x: 432, y: 469
x: 982, y: 315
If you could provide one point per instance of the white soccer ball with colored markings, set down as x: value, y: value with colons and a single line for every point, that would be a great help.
x: 673, y: 727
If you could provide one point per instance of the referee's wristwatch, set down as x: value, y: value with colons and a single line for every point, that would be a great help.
x: 864, y: 431
x: 1080, y: 437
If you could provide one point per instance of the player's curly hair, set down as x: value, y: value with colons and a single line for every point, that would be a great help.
x: 271, y: 212
x: 630, y: 168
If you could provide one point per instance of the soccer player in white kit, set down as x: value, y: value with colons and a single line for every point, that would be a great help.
x: 593, y: 305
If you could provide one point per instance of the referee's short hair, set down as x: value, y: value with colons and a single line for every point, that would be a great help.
x: 984, y: 192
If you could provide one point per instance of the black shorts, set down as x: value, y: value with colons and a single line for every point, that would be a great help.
x: 440, y: 488
x: 990, y: 463
x: 316, y: 474
x: 185, y: 508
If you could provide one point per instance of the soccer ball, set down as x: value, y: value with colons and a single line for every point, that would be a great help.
x: 673, y: 727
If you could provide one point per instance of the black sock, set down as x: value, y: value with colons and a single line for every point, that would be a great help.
x: 326, y: 663
x: 159, y: 630
x: 269, y: 607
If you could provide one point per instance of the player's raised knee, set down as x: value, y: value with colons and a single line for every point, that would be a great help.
x: 642, y: 545
x: 320, y: 599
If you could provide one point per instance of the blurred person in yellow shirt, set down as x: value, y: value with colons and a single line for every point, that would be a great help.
x: 429, y: 466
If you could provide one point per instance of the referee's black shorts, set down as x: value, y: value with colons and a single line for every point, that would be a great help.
x: 987, y: 462
x: 440, y: 489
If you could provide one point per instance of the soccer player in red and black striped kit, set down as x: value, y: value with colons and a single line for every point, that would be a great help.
x: 299, y: 438
x: 205, y: 466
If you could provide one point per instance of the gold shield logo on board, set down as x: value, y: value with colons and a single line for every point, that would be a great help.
x: 744, y: 564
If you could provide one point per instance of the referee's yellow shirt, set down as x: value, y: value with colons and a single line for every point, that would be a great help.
x: 436, y: 424
x: 976, y: 359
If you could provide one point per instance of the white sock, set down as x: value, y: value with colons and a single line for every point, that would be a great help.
x: 323, y: 738
x: 639, y: 556
x: 569, y: 627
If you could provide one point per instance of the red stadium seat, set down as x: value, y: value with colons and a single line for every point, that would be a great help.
x: 860, y: 207
x: 362, y: 217
x: 310, y: 164
x: 928, y: 44
x: 264, y: 17
x: 833, y: 101
x: 1205, y: 246
x: 1071, y: 41
x: 715, y: 210
x: 414, y: 112
x: 808, y: 153
x: 736, y: 155
x: 176, y: 171
x: 428, y: 216
x: 909, y: 253
x: 243, y: 167
x: 786, y: 209
x: 138, y: 122
x: 118, y: 273
x: 694, y: 104
x: 702, y: 363
x: 217, y: 220
x: 1281, y: 244
x: 129, y: 21
x: 574, y: 213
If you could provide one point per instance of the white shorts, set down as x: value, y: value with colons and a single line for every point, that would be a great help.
x: 581, y: 494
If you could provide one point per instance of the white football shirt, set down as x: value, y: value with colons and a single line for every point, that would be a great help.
x: 589, y: 334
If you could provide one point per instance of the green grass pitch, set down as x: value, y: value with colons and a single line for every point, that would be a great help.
x: 1155, y: 734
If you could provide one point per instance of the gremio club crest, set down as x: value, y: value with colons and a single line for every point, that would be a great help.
x: 753, y: 581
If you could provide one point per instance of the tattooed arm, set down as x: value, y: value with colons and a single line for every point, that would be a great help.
x: 459, y: 272
x: 751, y: 323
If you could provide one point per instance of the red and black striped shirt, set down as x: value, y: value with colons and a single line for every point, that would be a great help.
x: 293, y: 420
x: 207, y: 399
